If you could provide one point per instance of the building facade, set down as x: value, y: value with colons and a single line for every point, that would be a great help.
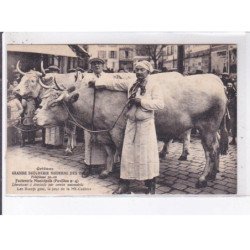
x: 202, y: 58
x: 116, y: 57
x: 126, y: 57
x: 169, y: 58
x: 109, y: 53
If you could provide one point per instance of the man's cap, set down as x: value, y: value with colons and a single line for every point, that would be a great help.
x: 71, y: 70
x: 53, y: 67
x: 15, y: 71
x: 96, y: 59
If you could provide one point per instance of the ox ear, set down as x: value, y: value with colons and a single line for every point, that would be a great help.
x: 71, y: 98
x: 71, y: 89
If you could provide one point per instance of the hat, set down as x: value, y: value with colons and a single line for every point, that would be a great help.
x: 15, y: 71
x: 71, y: 70
x: 96, y: 59
x: 225, y: 74
x: 54, y: 67
x: 145, y: 65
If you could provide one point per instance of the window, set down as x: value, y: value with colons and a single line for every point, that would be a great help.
x: 102, y: 54
x: 51, y: 60
x: 172, y: 50
x: 112, y: 54
x: 56, y: 60
x: 126, y: 54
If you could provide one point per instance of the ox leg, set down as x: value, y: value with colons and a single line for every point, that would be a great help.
x: 165, y: 150
x: 68, y: 150
x: 110, y: 162
x: 71, y: 143
x: 186, y: 143
x: 211, y: 147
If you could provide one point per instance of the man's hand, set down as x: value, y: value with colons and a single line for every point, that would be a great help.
x: 91, y: 84
x: 136, y: 101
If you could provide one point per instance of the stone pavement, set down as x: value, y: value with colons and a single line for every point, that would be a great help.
x: 176, y: 177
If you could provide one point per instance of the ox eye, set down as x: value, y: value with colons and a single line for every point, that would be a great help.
x: 53, y: 104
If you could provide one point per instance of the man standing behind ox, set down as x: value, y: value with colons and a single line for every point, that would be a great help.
x: 54, y: 135
x: 95, y: 154
x: 140, y: 160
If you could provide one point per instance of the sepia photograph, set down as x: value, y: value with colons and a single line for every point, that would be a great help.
x: 121, y: 119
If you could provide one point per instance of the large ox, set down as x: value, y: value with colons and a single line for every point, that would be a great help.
x: 194, y: 101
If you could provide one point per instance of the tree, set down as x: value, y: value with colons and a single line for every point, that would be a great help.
x: 153, y: 51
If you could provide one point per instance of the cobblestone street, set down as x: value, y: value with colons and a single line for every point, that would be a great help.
x: 176, y: 177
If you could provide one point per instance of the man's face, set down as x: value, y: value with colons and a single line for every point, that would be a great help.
x: 97, y: 67
x: 225, y: 77
x: 229, y: 85
x: 141, y: 73
x: 15, y: 84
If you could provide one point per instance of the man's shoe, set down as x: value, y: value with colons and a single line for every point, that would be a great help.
x: 86, y: 172
x: 123, y: 188
x: 151, y: 185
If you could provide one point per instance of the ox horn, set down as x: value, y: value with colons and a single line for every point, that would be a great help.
x: 43, y: 85
x: 18, y: 68
x: 42, y: 69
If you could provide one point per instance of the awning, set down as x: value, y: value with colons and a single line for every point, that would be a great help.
x: 83, y: 50
x: 79, y: 50
x: 57, y: 50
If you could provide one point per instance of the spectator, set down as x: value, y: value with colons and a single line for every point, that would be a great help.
x: 232, y: 108
x: 54, y: 135
x: 14, y: 111
x: 29, y: 107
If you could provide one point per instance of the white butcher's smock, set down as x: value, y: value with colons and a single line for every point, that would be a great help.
x: 95, y: 153
x: 140, y: 160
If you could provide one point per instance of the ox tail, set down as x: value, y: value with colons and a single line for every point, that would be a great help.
x: 224, y: 142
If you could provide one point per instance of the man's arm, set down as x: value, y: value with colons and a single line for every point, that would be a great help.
x: 111, y: 84
x: 156, y: 101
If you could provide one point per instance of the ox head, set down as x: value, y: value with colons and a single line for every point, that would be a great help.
x: 52, y: 110
x: 33, y: 82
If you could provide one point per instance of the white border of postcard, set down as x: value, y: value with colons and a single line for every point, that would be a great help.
x: 167, y: 204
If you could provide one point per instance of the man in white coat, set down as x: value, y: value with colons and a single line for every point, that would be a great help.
x: 95, y: 154
x: 140, y: 160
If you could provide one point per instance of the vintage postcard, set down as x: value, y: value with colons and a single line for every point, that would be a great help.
x: 121, y: 118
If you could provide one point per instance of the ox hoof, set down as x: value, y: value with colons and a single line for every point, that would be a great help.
x: 201, y: 184
x: 162, y: 156
x: 104, y: 174
x: 182, y: 158
x: 212, y: 177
